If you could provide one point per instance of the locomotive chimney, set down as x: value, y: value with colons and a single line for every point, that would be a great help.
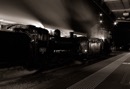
x: 71, y: 34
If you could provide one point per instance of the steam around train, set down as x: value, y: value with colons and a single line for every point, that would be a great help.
x: 35, y: 47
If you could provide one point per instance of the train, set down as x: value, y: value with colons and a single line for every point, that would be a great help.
x: 34, y: 47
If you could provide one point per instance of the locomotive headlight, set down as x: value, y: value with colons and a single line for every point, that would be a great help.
x: 32, y: 40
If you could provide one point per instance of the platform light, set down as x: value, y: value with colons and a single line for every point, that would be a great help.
x: 115, y: 23
x: 85, y: 50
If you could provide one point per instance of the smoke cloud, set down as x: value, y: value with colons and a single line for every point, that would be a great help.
x: 77, y: 15
x: 14, y: 10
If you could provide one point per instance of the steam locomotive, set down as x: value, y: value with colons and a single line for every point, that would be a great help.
x: 34, y: 47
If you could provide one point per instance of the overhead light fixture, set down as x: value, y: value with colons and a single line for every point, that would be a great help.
x: 126, y: 14
x: 123, y: 18
x: 119, y: 18
x: 110, y: 0
x: 101, y: 21
x: 122, y: 21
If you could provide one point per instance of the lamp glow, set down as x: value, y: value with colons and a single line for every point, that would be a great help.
x: 115, y: 23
